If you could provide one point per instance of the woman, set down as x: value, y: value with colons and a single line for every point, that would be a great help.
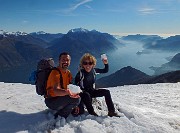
x: 85, y: 78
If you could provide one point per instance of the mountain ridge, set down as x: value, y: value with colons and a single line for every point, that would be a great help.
x: 131, y: 76
x: 19, y: 49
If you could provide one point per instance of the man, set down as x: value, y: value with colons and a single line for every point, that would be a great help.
x: 59, y: 97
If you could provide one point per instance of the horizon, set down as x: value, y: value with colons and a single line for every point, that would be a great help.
x: 159, y: 17
x: 114, y: 34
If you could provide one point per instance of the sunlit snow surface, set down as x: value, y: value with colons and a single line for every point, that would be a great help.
x: 143, y: 109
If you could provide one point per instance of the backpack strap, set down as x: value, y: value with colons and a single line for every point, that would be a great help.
x: 61, y: 78
x: 94, y: 73
x: 81, y: 76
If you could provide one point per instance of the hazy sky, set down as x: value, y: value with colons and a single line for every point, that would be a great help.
x: 111, y: 16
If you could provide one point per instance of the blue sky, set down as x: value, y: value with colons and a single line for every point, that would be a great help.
x: 111, y: 16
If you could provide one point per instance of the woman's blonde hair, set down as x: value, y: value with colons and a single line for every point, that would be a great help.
x: 88, y: 56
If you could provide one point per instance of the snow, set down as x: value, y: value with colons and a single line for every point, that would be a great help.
x: 18, y: 33
x: 78, y: 30
x: 143, y: 108
x: 74, y: 89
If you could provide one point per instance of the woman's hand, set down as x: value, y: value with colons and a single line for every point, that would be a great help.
x: 105, y: 61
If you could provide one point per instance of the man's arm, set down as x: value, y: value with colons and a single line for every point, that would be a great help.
x: 59, y: 91
x: 64, y: 92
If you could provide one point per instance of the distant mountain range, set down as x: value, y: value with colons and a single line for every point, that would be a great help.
x: 20, y: 51
x: 142, y: 38
x: 156, y: 42
x: 47, y: 37
x: 124, y: 76
x: 169, y: 44
x: 132, y: 76
x: 78, y: 41
x: 169, y: 77
x: 172, y: 65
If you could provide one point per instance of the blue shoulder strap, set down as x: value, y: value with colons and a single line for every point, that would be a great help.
x: 33, y: 76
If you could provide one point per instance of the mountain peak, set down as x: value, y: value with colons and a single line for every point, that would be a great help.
x: 124, y: 76
x: 4, y: 33
x: 19, y: 33
x: 127, y: 69
x: 78, y: 30
x: 39, y: 32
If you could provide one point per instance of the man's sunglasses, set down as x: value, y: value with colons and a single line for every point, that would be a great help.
x: 87, y: 63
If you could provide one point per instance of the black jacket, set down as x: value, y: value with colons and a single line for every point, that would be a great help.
x: 88, y: 78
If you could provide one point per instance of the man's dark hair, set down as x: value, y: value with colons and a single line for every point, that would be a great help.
x: 63, y: 53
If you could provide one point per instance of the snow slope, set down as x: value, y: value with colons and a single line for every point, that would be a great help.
x: 143, y: 109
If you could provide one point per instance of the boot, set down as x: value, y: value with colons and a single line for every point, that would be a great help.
x: 112, y: 113
x: 93, y: 113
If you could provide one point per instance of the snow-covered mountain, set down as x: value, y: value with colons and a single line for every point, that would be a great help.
x: 19, y: 49
x: 143, y: 108
x: 39, y: 32
x: 82, y: 30
x: 18, y: 33
x: 83, y: 41
x: 79, y: 30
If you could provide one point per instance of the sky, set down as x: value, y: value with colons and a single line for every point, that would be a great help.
x: 120, y: 17
x: 143, y: 108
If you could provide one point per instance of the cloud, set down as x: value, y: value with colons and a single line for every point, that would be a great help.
x: 146, y: 11
x: 89, y: 7
x: 63, y: 11
x: 159, y: 7
x: 24, y: 21
x: 74, y: 7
